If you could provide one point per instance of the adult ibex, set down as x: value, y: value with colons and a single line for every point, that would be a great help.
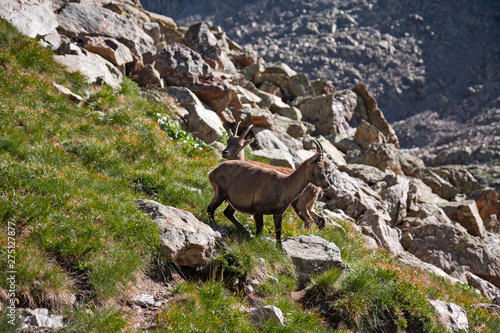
x: 304, y: 205
x: 259, y: 191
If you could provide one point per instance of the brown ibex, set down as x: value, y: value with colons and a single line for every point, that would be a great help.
x: 304, y: 205
x: 259, y: 191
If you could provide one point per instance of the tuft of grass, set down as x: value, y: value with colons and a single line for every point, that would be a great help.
x: 213, y: 307
x: 95, y: 320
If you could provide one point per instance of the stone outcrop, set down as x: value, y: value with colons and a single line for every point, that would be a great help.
x: 312, y: 255
x: 184, y: 239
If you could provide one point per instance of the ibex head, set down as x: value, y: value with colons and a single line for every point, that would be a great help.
x: 316, y: 167
x: 236, y: 144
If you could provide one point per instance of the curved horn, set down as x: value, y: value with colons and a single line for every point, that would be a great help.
x: 244, y: 134
x: 319, y: 149
x: 236, y: 129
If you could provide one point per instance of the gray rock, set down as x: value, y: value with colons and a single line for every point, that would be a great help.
x: 453, y: 317
x: 203, y: 123
x: 95, y: 68
x: 184, y: 239
x: 487, y: 289
x: 77, y: 21
x: 180, y: 66
x: 448, y: 246
x: 144, y: 300
x: 265, y: 314
x: 312, y: 255
x: 40, y: 318
x: 275, y: 157
x: 32, y: 18
x: 379, y: 228
x: 465, y: 212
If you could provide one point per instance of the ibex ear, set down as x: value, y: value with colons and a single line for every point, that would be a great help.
x: 247, y: 142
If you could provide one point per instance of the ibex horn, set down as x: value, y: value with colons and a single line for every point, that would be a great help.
x: 246, y: 131
x: 319, y: 149
x: 236, y: 129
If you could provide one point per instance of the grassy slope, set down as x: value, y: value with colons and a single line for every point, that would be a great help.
x: 68, y: 175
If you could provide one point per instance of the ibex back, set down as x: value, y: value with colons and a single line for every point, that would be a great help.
x: 259, y: 191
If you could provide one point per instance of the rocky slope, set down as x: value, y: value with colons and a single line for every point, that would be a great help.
x: 433, y: 66
x: 438, y: 219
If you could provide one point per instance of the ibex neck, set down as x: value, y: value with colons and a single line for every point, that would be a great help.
x: 297, y: 182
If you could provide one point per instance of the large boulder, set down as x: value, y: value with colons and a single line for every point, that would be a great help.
x: 203, y: 123
x: 78, y: 21
x: 448, y: 246
x: 109, y: 48
x: 95, y: 68
x: 465, y: 212
x: 368, y: 110
x: 184, y: 239
x: 381, y: 156
x: 330, y: 113
x: 451, y: 316
x: 33, y: 18
x: 180, y: 66
x: 202, y: 40
x: 312, y: 255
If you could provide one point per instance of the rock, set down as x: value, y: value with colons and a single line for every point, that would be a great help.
x: 108, y: 48
x: 178, y: 65
x: 184, y: 239
x: 312, y: 255
x: 201, y: 122
x: 96, y: 69
x: 147, y: 76
x: 266, y: 139
x: 487, y: 289
x: 299, y: 85
x: 367, y: 173
x: 331, y: 113
x: 465, y: 212
x: 144, y: 300
x: 265, y: 314
x: 215, y: 91
x: 486, y: 201
x: 378, y: 228
x: 397, y: 197
x: 78, y: 21
x: 332, y: 152
x: 275, y: 157
x: 381, y: 156
x: 438, y: 185
x: 349, y: 194
x: 448, y: 246
x: 409, y: 259
x: 40, y: 318
x: 202, y: 40
x: 451, y: 316
x: 367, y: 134
x: 32, y: 18
x: 373, y: 115
x: 410, y: 165
x: 65, y: 91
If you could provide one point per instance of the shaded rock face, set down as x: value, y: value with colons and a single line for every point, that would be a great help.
x: 184, y: 239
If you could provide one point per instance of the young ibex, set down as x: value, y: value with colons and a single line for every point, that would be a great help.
x: 259, y: 191
x: 304, y: 205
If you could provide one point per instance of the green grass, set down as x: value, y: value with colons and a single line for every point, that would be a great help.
x: 68, y: 175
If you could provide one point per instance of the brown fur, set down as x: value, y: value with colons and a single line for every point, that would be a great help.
x: 260, y: 191
x: 304, y: 205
